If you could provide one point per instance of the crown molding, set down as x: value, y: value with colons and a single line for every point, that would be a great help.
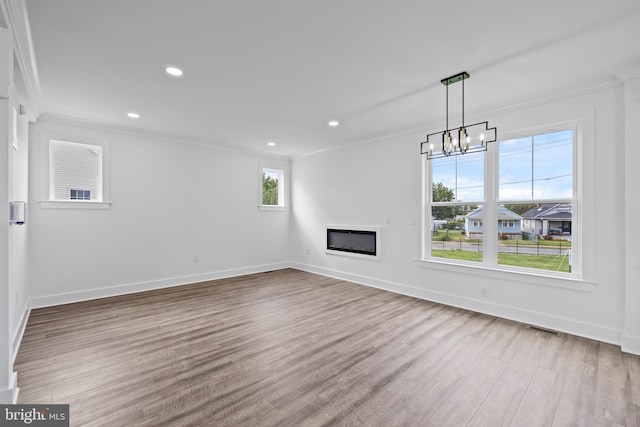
x: 78, y: 122
x: 15, y: 13
x: 430, y: 127
x: 629, y: 73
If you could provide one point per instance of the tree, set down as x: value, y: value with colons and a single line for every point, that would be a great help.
x: 441, y: 193
x: 269, y: 190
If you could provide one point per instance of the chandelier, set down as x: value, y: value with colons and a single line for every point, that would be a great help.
x: 465, y: 139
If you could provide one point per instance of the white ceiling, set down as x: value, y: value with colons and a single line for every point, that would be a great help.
x: 279, y: 70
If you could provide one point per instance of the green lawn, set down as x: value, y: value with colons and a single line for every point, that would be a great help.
x: 457, y: 254
x: 454, y: 235
x: 541, y: 262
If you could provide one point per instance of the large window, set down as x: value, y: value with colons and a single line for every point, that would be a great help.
x: 512, y: 207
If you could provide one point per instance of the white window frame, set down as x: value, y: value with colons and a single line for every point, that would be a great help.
x: 47, y: 199
x: 282, y: 195
x: 71, y: 190
x: 491, y: 203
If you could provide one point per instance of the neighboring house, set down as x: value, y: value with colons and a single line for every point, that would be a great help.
x: 548, y: 219
x: 509, y: 224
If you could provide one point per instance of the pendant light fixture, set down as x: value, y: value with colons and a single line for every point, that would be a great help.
x: 462, y: 140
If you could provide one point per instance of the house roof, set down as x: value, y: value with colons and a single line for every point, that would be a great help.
x: 503, y: 213
x: 557, y: 211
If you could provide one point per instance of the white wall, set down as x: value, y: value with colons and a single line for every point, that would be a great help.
x: 18, y: 234
x: 7, y: 383
x: 171, y: 201
x: 14, y: 277
x: 631, y: 339
x: 378, y: 184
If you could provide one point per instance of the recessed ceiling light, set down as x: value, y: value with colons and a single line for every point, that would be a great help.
x: 176, y: 72
x: 133, y: 115
x: 271, y: 144
x: 334, y: 123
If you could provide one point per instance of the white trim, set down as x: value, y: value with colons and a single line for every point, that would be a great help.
x: 19, y: 333
x: 85, y: 124
x: 561, y: 324
x: 274, y: 208
x: 434, y: 127
x: 490, y: 206
x: 629, y: 73
x: 529, y: 276
x: 15, y: 12
x: 630, y: 344
x: 96, y: 149
x: 104, y: 190
x: 129, y: 288
x: 10, y: 395
x: 282, y: 193
x: 73, y: 204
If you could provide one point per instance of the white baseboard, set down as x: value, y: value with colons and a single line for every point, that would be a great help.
x: 10, y: 395
x: 561, y: 324
x: 630, y: 344
x: 66, y: 298
x: 547, y: 321
x: 19, y: 332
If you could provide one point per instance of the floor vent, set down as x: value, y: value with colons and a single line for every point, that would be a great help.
x: 546, y: 331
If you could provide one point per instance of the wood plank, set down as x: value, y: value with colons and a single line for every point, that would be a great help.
x: 498, y: 408
x: 538, y: 405
x: 614, y: 390
x: 293, y: 348
x: 467, y: 398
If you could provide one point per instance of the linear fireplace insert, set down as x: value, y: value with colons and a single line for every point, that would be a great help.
x: 352, y: 241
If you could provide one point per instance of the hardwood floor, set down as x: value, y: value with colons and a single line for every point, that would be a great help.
x: 289, y: 348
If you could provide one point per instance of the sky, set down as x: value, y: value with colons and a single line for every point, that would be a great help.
x: 529, y: 168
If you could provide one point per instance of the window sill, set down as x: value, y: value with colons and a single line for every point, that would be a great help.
x: 73, y: 204
x: 532, y: 278
x: 267, y: 208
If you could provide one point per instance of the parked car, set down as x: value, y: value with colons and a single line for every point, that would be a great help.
x: 553, y: 231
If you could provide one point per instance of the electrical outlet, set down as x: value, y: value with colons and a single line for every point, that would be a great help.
x: 307, y: 251
x: 196, y: 258
x: 17, y: 297
x: 484, y: 293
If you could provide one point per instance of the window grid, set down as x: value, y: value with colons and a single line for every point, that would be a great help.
x: 75, y: 194
x: 506, y: 234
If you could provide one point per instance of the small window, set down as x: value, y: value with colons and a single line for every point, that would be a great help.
x: 75, y: 171
x: 75, y: 194
x: 272, y: 187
